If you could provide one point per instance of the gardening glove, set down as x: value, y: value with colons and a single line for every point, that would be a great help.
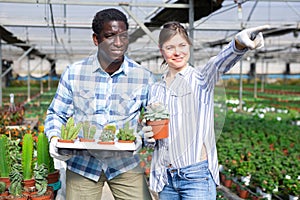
x: 251, y: 38
x: 54, y: 151
x: 148, y: 136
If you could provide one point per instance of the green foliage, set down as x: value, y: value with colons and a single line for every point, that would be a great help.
x: 40, y: 176
x: 27, y: 156
x: 126, y: 133
x: 70, y: 131
x: 4, y: 156
x: 156, y: 112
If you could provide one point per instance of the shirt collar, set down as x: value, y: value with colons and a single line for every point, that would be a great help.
x: 183, y: 72
x: 97, y: 66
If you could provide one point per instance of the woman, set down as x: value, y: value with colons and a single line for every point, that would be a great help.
x: 185, y: 165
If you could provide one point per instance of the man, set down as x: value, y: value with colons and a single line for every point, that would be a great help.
x: 105, y: 88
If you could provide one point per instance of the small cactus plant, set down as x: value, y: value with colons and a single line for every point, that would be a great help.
x: 70, y: 131
x: 16, y: 179
x: 2, y: 187
x: 89, y: 130
x: 43, y: 155
x: 40, y: 176
x: 27, y: 156
x: 108, y: 134
x: 4, y: 156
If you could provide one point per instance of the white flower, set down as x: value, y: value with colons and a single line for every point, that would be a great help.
x: 278, y: 118
x: 287, y: 177
x: 234, y: 109
x: 261, y: 116
x: 250, y: 109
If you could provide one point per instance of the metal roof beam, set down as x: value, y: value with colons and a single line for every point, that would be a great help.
x: 98, y: 3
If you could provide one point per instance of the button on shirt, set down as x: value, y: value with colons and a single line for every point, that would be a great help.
x: 190, y: 102
x: 88, y: 93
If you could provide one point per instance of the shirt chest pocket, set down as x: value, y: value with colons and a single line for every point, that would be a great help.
x: 127, y: 104
x: 85, y: 101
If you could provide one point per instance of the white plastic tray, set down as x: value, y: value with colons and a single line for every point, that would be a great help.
x: 77, y: 145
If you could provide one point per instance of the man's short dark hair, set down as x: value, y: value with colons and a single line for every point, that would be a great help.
x: 106, y: 15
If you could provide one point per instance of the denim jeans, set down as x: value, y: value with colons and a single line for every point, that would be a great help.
x: 191, y: 182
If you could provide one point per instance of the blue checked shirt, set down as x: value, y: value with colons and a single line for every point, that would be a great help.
x: 87, y: 93
x: 190, y: 101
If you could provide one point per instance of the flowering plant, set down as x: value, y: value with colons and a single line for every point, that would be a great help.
x: 292, y: 185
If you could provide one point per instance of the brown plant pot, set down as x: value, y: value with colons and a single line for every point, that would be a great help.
x: 65, y: 141
x: 29, y: 183
x: 86, y: 140
x: 106, y: 142
x: 53, y: 177
x: 243, y: 193
x: 228, y: 183
x: 126, y: 141
x: 47, y: 196
x: 4, y: 194
x: 11, y: 197
x: 160, y: 128
x: 6, y: 181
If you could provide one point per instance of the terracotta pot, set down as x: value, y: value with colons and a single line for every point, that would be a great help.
x: 29, y: 183
x: 11, y: 197
x: 243, y: 193
x: 126, y: 141
x: 53, y: 177
x: 228, y: 183
x: 107, y: 142
x: 47, y: 196
x: 160, y: 128
x: 86, y: 140
x: 4, y: 194
x: 6, y: 181
x: 65, y: 141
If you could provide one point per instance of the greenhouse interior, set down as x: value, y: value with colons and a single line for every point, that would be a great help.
x: 256, y: 103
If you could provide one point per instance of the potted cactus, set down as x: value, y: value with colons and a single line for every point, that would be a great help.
x: 3, y: 191
x: 5, y: 164
x: 27, y: 160
x: 43, y: 157
x: 16, y: 183
x: 126, y: 134
x: 41, y: 183
x: 70, y: 131
x: 89, y: 132
x: 108, y: 134
x: 157, y: 116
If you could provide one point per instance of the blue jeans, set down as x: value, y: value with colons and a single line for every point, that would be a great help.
x: 191, y: 182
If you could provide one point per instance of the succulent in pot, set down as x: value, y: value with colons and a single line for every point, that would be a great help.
x: 40, y: 176
x: 126, y: 134
x: 89, y: 132
x: 157, y: 116
x: 16, y: 181
x: 70, y: 131
x: 108, y: 134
